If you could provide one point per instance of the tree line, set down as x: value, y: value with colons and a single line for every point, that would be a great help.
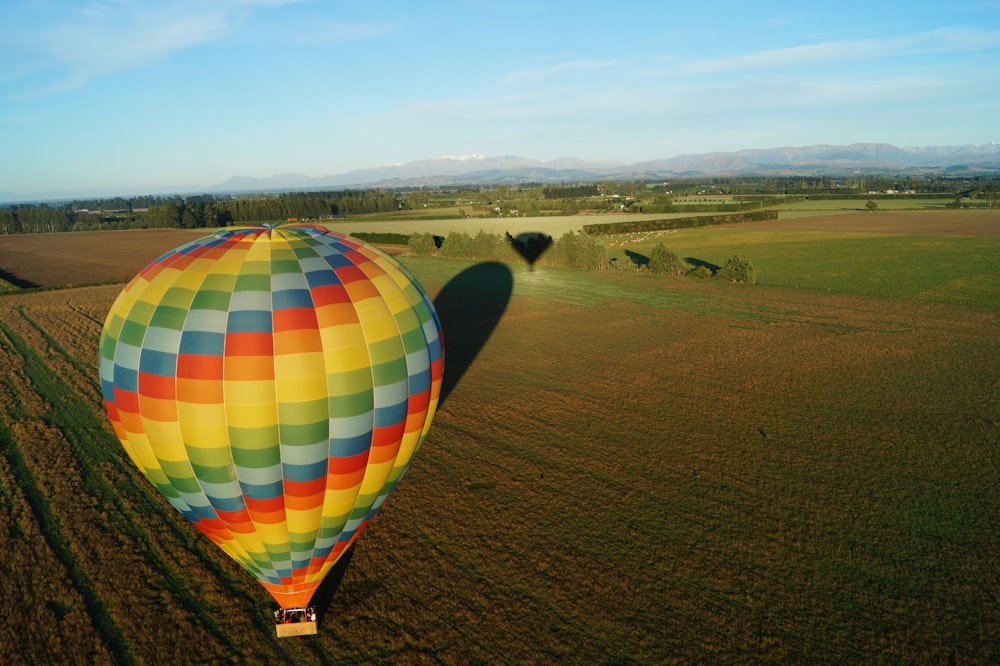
x: 573, y: 250
x: 532, y: 200
x: 193, y: 212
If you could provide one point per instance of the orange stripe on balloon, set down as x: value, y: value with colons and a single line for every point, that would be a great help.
x: 249, y: 344
x: 238, y: 522
x: 350, y: 273
x: 294, y: 319
x: 303, y: 495
x: 200, y: 391
x: 157, y: 409
x: 156, y: 386
x: 266, y: 510
x: 127, y: 401
x: 249, y: 368
x: 329, y: 294
x: 298, y: 341
x: 198, y: 366
x: 385, y: 435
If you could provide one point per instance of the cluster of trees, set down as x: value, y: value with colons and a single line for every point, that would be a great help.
x: 639, y: 226
x: 854, y: 185
x: 572, y: 249
x: 569, y: 191
x: 43, y: 219
x: 192, y: 212
x: 189, y: 215
x: 737, y: 268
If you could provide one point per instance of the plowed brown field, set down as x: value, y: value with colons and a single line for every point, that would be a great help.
x: 85, y: 257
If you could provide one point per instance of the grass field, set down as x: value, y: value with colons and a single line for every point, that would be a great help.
x: 627, y: 469
x: 945, y: 256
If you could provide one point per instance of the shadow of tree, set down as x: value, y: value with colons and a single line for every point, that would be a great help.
x: 701, y: 262
x: 637, y: 259
x: 19, y: 282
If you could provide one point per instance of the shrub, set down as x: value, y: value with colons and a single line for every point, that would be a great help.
x: 457, y: 245
x: 578, y: 250
x: 662, y: 260
x: 700, y: 272
x: 424, y: 244
x: 738, y: 269
x: 625, y: 263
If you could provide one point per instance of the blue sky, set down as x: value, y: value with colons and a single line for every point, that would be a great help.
x: 146, y: 96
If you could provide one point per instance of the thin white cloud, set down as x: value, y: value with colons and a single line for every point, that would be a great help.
x: 101, y: 38
x: 945, y: 40
x: 338, y: 32
x: 825, y: 98
x: 778, y: 21
x: 589, y: 67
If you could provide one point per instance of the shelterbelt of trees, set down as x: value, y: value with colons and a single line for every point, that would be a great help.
x: 209, y: 210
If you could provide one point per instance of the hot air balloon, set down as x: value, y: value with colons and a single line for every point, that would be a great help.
x: 273, y: 383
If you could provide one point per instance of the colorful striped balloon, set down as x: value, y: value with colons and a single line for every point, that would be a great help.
x: 273, y: 383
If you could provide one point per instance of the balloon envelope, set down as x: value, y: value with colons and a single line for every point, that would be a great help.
x: 273, y: 384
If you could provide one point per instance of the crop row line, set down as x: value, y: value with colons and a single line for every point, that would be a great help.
x: 85, y: 371
x: 79, y: 426
x: 50, y: 528
x: 90, y: 437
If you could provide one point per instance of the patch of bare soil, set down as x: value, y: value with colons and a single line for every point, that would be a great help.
x: 85, y: 257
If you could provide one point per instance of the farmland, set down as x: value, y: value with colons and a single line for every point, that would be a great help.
x: 625, y: 469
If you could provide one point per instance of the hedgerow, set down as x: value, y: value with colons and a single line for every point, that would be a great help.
x: 637, y: 226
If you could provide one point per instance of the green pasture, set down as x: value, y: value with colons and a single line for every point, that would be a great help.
x: 812, y: 207
x: 946, y: 269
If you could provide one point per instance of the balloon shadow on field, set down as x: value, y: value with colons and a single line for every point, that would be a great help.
x: 470, y: 306
x: 327, y: 589
x: 530, y: 245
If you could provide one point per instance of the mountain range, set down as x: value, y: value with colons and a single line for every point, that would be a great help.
x: 827, y: 160
x: 817, y: 160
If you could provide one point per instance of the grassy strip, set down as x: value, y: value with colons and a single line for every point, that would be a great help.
x: 49, y: 526
x: 85, y: 371
x: 83, y: 313
x: 383, y: 238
